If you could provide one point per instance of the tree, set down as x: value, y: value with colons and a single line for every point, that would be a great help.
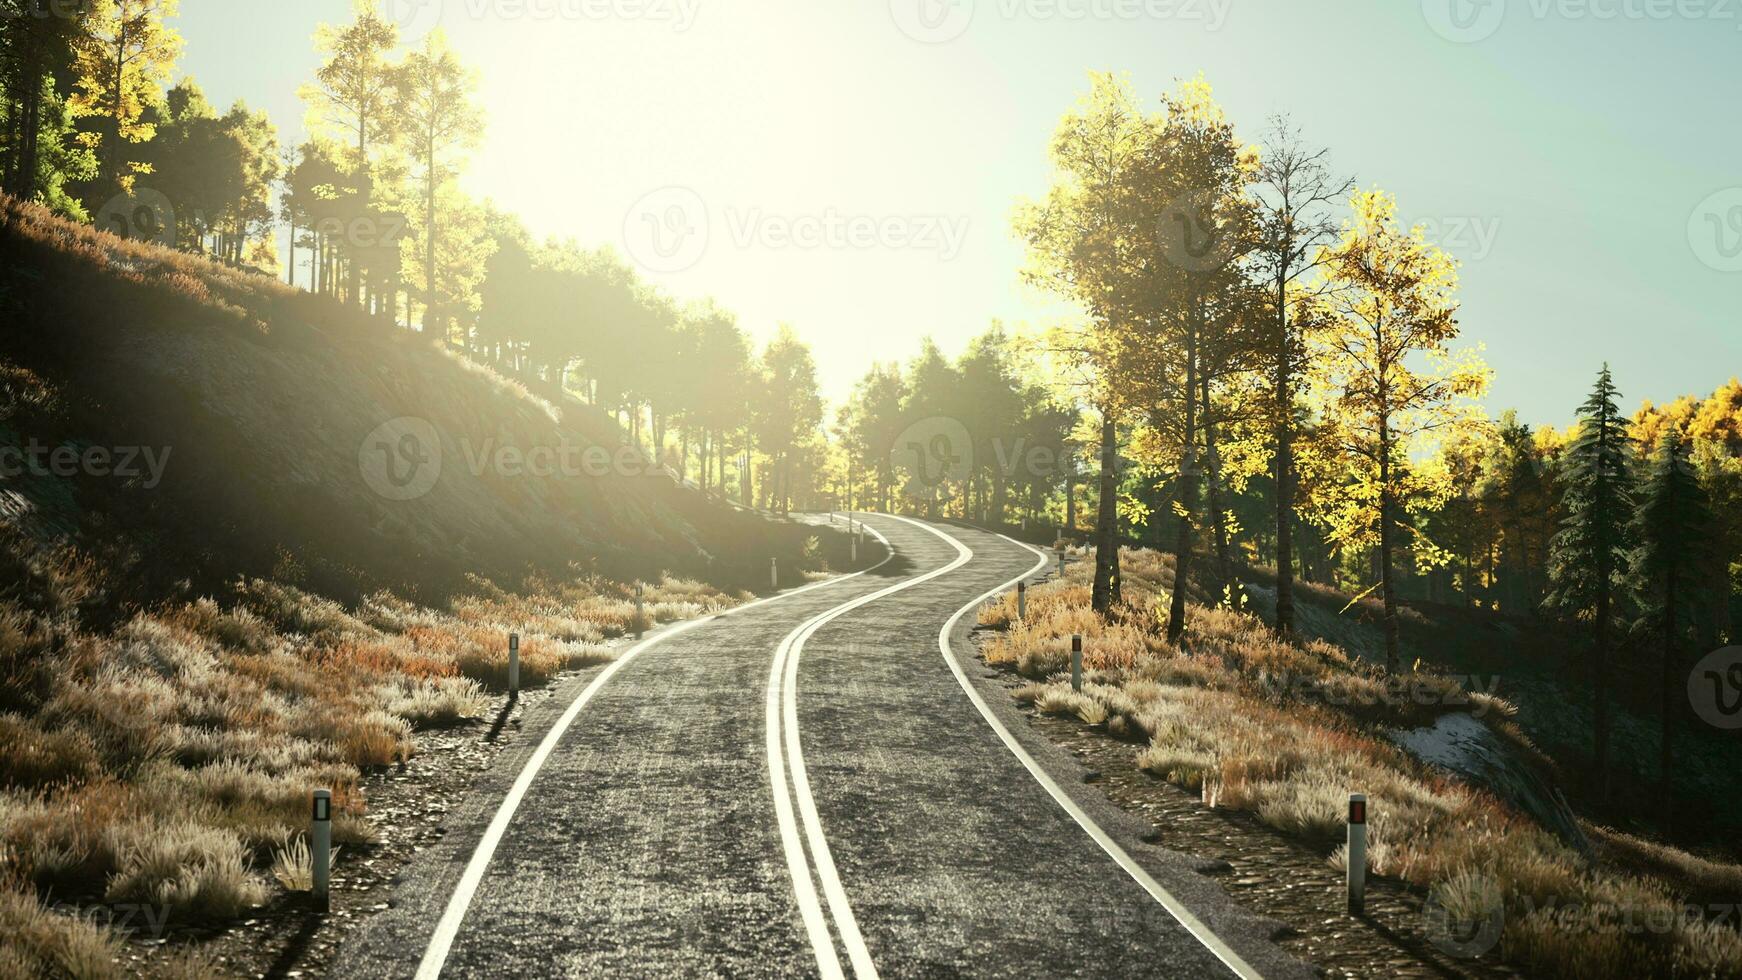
x: 352, y: 96
x: 1088, y: 242
x: 1590, y: 555
x: 1295, y: 193
x: 38, y: 149
x: 869, y: 424
x: 435, y: 118
x: 790, y: 408
x: 1191, y: 297
x: 123, y: 59
x: 1387, y: 377
x: 1673, y: 563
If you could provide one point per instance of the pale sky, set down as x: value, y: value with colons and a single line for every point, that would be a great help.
x: 851, y: 166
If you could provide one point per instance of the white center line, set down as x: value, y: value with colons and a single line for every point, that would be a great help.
x: 783, y: 706
x: 442, y: 941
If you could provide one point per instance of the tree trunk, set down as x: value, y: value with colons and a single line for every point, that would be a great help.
x: 1106, y: 589
x: 1188, y: 499
x: 1387, y: 585
x: 1666, y: 756
x: 1226, y: 584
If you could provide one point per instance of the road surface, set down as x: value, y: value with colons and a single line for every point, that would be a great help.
x: 823, y: 783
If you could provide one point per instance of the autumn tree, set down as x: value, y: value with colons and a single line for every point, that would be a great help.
x: 1193, y: 308
x: 1590, y: 556
x: 788, y: 411
x: 1088, y: 241
x: 351, y: 99
x: 435, y: 119
x: 1295, y: 191
x: 123, y: 59
x: 1388, y: 378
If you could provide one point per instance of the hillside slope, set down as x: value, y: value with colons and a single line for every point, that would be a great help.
x: 283, y: 428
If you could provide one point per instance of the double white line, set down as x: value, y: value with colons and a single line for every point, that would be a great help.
x: 786, y: 774
x: 435, y: 955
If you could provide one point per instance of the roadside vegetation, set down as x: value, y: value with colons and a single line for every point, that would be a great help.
x: 160, y: 772
x: 1288, y: 730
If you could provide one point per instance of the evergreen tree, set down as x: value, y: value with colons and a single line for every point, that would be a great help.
x: 1590, y: 555
x: 1675, y: 530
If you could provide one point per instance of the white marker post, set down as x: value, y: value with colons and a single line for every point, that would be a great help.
x: 321, y: 846
x: 1077, y: 662
x: 1022, y: 601
x: 855, y: 541
x: 774, y: 573
x: 639, y: 606
x: 1357, y: 856
x: 1061, y: 551
x: 513, y: 664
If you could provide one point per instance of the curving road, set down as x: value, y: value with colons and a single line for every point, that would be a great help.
x: 823, y: 783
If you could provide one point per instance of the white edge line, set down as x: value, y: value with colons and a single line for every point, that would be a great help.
x: 1199, y: 931
x: 436, y: 953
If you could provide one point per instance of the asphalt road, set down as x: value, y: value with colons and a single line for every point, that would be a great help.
x: 812, y: 785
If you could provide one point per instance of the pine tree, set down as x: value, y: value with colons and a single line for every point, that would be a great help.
x: 1589, y: 557
x: 1675, y: 529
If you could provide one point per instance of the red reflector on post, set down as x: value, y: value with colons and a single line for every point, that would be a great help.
x: 1357, y: 811
x: 1076, y: 643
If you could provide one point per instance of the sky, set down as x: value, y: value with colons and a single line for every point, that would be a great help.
x: 851, y: 167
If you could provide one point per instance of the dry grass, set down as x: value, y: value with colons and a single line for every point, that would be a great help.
x: 237, y: 712
x: 37, y: 942
x: 1285, y: 731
